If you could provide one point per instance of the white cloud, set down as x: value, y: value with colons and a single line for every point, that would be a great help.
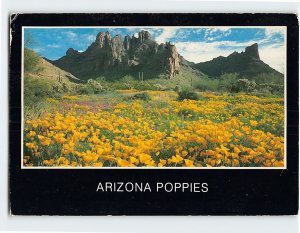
x: 201, y: 51
x: 153, y: 31
x: 270, y: 31
x: 274, y: 56
x: 38, y: 49
x: 216, y: 33
x: 55, y: 46
x: 198, y: 30
x: 166, y: 35
x: 71, y: 35
x: 90, y: 37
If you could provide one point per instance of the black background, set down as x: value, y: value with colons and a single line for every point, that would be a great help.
x: 231, y: 191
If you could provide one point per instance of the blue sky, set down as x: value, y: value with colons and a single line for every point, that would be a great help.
x: 195, y: 44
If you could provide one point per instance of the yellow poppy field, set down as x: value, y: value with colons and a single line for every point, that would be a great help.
x: 114, y: 130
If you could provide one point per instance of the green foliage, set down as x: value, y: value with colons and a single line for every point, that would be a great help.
x: 29, y: 40
x: 159, y: 87
x: 31, y: 61
x: 128, y: 82
x: 269, y: 78
x: 271, y: 88
x: 227, y: 82
x: 84, y: 89
x: 101, y: 79
x: 94, y: 86
x: 142, y: 96
x: 187, y: 94
x: 36, y: 89
x: 244, y: 85
x: 206, y: 84
x: 91, y: 87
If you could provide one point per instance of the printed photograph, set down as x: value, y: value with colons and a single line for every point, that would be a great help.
x: 153, y: 97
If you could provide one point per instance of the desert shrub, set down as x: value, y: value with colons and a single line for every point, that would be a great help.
x: 89, y: 88
x: 227, y: 82
x: 202, y: 87
x: 244, y: 85
x: 31, y: 61
x: 36, y: 89
x: 144, y: 85
x: 100, y: 79
x: 106, y: 85
x: 94, y: 86
x: 83, y: 89
x: 206, y: 84
x: 159, y: 87
x: 177, y: 88
x: 269, y: 78
x: 187, y: 94
x: 271, y: 88
x: 142, y: 96
x: 66, y: 87
x: 128, y: 82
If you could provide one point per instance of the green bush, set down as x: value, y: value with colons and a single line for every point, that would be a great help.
x: 142, y: 96
x: 95, y: 86
x: 84, y: 89
x: 244, y: 85
x: 269, y: 78
x: 271, y: 88
x: 227, y: 82
x: 187, y: 94
x: 128, y: 82
x: 31, y: 61
x: 36, y: 89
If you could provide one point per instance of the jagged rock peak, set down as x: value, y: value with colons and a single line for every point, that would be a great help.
x: 100, y: 39
x: 126, y: 42
x: 172, y: 60
x: 138, y: 50
x: 103, y: 39
x: 71, y: 52
x: 252, y: 51
x: 144, y: 35
x: 117, y: 48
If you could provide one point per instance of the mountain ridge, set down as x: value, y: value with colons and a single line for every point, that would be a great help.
x: 247, y: 64
x: 141, y: 56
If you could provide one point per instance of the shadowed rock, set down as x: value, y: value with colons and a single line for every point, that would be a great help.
x: 252, y: 51
x: 141, y: 52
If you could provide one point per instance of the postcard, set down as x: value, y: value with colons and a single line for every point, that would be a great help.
x: 154, y: 114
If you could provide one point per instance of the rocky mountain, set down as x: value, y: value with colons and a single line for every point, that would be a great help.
x: 143, y: 58
x: 246, y: 64
x: 116, y: 57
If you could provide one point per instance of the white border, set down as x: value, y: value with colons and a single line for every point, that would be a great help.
x: 138, y: 168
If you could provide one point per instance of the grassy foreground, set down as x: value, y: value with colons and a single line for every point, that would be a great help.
x: 116, y: 130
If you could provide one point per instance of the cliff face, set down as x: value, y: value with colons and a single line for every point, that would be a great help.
x: 172, y: 60
x: 130, y: 55
x: 252, y: 51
